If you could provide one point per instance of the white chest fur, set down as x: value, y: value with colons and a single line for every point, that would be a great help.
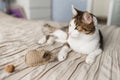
x: 85, y: 43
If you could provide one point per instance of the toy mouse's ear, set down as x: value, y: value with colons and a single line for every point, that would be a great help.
x: 87, y: 17
x: 46, y: 55
x: 74, y: 11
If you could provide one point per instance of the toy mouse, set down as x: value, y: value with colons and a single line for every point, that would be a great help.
x: 38, y: 57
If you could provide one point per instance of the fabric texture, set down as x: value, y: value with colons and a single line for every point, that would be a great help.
x: 18, y: 36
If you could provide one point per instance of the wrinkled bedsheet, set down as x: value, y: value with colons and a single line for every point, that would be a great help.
x: 17, y: 36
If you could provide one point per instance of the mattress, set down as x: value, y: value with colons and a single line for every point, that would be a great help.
x: 17, y: 36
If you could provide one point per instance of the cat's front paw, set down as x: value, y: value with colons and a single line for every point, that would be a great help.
x: 42, y: 40
x: 89, y: 60
x: 62, y: 56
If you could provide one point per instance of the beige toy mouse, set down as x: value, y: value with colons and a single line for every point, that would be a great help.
x: 38, y: 57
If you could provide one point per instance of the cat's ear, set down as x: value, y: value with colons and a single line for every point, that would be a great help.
x: 74, y: 11
x: 87, y: 18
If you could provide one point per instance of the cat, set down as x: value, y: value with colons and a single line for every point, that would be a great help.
x: 83, y: 36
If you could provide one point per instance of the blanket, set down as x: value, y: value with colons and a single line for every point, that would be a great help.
x: 17, y: 36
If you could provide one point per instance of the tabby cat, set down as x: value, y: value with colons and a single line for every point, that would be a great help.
x: 83, y: 36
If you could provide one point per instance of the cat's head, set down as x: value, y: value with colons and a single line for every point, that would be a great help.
x: 82, y: 22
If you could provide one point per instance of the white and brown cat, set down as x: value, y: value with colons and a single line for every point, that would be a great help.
x: 83, y: 36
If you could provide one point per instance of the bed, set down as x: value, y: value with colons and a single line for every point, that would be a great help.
x: 17, y: 36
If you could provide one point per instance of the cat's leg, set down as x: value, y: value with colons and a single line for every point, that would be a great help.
x: 92, y: 56
x: 49, y: 39
x: 61, y: 36
x: 63, y: 52
x: 42, y: 40
x: 58, y: 36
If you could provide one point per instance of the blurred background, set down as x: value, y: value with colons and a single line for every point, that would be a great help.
x: 107, y: 11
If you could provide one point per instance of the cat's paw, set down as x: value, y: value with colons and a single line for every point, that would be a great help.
x: 51, y: 41
x: 42, y: 40
x: 62, y: 56
x: 89, y: 60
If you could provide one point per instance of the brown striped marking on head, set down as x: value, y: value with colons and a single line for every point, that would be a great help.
x: 83, y: 21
